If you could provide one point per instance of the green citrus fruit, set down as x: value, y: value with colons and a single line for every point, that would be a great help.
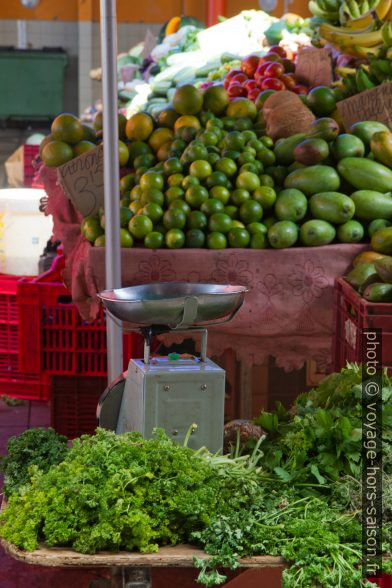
x: 175, y: 239
x: 220, y: 193
x: 196, y: 195
x: 251, y: 211
x: 181, y: 205
x: 153, y: 211
x: 91, y: 228
x: 137, y: 148
x: 266, y: 196
x: 187, y: 100
x: 231, y: 210
x: 216, y: 240
x: 240, y: 108
x: 151, y: 179
x: 211, y: 206
x: 238, y: 237
x: 247, y: 181
x: 123, y: 154
x: 174, y: 193
x: 139, y: 127
x: 82, y: 147
x: 100, y: 241
x: 56, y: 153
x: 195, y: 238
x: 239, y: 196
x: 140, y: 225
x: 152, y: 195
x: 258, y: 241
x: 68, y: 128
x: 197, y: 220
x: 200, y: 168
x: 154, y: 240
x: 167, y: 118
x: 127, y: 183
x: 125, y: 216
x: 174, y: 218
x: 126, y: 239
x: 220, y: 222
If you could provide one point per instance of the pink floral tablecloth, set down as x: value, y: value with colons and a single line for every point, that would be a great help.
x: 287, y: 313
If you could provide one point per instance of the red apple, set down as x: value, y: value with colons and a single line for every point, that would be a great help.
x: 240, y: 78
x: 272, y: 84
x: 249, y: 65
x: 259, y: 73
x: 235, y: 90
x: 250, y: 84
x: 289, y: 80
x: 299, y: 89
x: 278, y: 51
x: 274, y: 70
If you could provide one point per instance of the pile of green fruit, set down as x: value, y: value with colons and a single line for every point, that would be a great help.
x: 371, y: 276
x: 205, y: 174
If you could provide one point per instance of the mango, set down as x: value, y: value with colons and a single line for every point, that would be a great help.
x: 366, y: 129
x: 371, y: 205
x: 364, y: 174
x: 332, y: 206
x: 382, y: 241
x: 381, y: 147
x: 315, y: 233
x: 313, y: 179
x: 362, y: 275
x: 384, y: 268
x: 378, y: 292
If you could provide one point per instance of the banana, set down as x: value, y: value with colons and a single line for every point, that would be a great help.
x: 389, y: 53
x: 363, y: 81
x: 327, y: 30
x: 332, y: 5
x: 354, y: 9
x: 379, y: 11
x: 366, y: 52
x: 365, y: 7
x: 346, y: 40
x: 381, y: 69
x: 386, y: 33
x: 350, y: 85
x: 317, y: 11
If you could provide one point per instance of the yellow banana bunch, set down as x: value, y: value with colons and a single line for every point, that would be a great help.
x: 382, y: 11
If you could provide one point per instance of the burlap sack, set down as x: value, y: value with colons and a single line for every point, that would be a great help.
x: 285, y: 114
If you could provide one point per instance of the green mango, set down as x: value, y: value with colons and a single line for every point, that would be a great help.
x: 384, y: 268
x: 364, y: 174
x: 333, y: 207
x: 378, y: 292
x: 315, y: 233
x: 313, y: 179
x: 366, y: 129
x: 382, y: 241
x: 371, y: 205
x: 350, y: 232
x: 362, y: 275
x: 284, y: 148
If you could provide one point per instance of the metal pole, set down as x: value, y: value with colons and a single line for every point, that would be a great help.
x: 111, y: 176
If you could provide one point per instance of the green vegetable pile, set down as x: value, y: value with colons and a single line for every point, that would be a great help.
x: 300, y: 500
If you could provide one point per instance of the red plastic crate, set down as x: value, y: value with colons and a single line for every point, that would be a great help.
x: 352, y: 314
x: 13, y: 381
x: 74, y: 404
x: 54, y: 339
x: 30, y: 152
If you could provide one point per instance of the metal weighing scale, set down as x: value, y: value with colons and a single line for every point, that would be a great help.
x: 178, y: 390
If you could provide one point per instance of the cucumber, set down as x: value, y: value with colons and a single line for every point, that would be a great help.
x: 378, y: 292
x: 183, y: 75
x: 364, y: 174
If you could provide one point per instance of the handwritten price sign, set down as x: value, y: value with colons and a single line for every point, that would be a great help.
x: 314, y: 67
x: 82, y: 180
x: 374, y: 104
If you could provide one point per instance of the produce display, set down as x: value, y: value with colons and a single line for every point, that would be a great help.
x: 297, y: 493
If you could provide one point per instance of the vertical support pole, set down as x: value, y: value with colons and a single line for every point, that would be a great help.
x: 111, y: 176
x: 22, y: 34
x: 214, y: 8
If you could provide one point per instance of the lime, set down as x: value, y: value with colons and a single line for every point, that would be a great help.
x: 214, y: 123
x: 234, y: 140
x: 123, y: 154
x: 135, y: 206
x: 243, y: 124
x: 247, y: 181
x: 231, y: 154
x: 211, y: 206
x: 167, y: 118
x: 159, y: 228
x: 125, y: 216
x: 181, y: 205
x: 195, y: 238
x: 269, y: 221
x: 196, y: 195
x: 187, y: 100
x: 266, y: 180
x: 189, y: 181
x: 174, y: 193
x: 196, y: 220
x: 266, y: 157
x: 215, y: 100
x: 242, y: 107
x: 152, y: 195
x: 153, y: 211
x: 321, y: 100
x: 187, y: 121
x: 213, y: 158
x: 91, y: 228
x: 237, y: 224
x: 262, y: 97
x: 185, y: 134
x: 67, y: 128
x: 248, y: 135
x: 100, y: 241
x: 175, y: 239
x: 251, y: 211
x: 248, y: 167
x: 220, y: 193
x: 217, y: 178
x: 216, y: 240
x: 127, y: 183
x: 137, y: 148
x: 172, y: 166
x: 256, y: 227
x: 283, y: 234
x: 139, y: 172
x: 146, y: 160
x: 267, y: 141
x: 175, y: 180
x: 56, y: 153
x: 238, y: 237
x: 246, y: 157
x: 231, y: 210
x: 239, y: 196
x: 220, y: 221
x: 258, y: 241
x: 125, y: 202
x: 265, y: 195
x: 209, y: 138
x: 200, y: 168
x: 159, y: 137
x: 154, y: 240
x: 227, y: 166
x: 178, y: 145
x: 140, y: 226
x: 151, y: 179
x: 126, y: 239
x: 174, y: 218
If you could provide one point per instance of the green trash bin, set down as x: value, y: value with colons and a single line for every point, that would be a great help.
x: 31, y: 82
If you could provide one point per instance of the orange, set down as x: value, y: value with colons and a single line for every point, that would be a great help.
x: 159, y: 137
x: 82, y: 147
x: 242, y: 107
x: 215, y: 100
x: 68, y: 128
x: 44, y: 142
x: 139, y: 127
x: 56, y: 153
x: 187, y: 121
x: 164, y: 151
x: 123, y: 154
x: 187, y: 100
x: 91, y: 228
x: 167, y: 118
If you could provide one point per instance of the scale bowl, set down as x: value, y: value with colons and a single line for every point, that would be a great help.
x: 174, y: 304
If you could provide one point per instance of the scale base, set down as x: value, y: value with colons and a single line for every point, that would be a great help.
x: 171, y: 395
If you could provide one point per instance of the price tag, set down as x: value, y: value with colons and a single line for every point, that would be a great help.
x: 374, y: 104
x: 314, y: 67
x: 82, y: 181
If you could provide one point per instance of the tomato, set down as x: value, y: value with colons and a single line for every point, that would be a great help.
x: 235, y: 90
x: 240, y: 78
x: 289, y: 80
x: 272, y: 84
x: 299, y: 89
x: 229, y: 75
x: 249, y: 65
x: 270, y: 57
x: 278, y: 51
x: 250, y: 84
x: 274, y: 70
x: 261, y: 69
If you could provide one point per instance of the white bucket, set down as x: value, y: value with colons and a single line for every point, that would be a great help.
x: 24, y: 231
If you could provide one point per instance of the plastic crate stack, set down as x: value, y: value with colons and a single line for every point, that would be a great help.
x: 57, y: 344
x: 30, y: 153
x: 352, y: 314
